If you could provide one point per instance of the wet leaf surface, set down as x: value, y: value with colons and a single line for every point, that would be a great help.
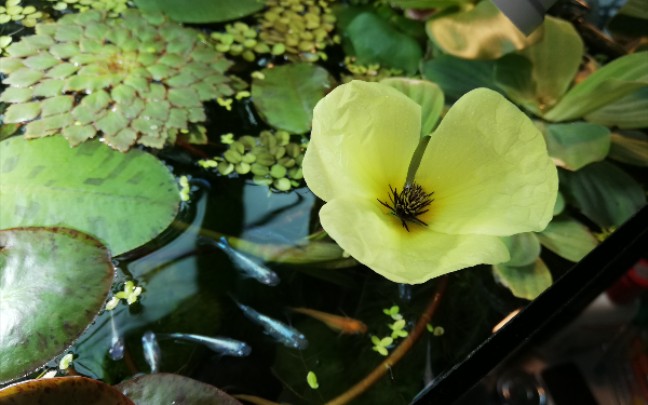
x: 124, y: 199
x: 161, y: 388
x: 43, y: 309
x: 62, y: 391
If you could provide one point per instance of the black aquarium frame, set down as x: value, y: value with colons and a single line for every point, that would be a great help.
x: 565, y: 299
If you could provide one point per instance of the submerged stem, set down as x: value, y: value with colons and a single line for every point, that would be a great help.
x: 416, y: 160
x: 399, y: 352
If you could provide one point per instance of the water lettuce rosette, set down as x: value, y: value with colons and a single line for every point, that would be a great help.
x: 485, y: 173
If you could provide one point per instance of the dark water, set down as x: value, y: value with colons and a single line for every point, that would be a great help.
x: 189, y: 284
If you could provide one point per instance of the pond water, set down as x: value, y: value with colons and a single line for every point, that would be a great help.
x: 189, y: 286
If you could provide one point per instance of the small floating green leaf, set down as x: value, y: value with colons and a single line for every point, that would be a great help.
x: 568, y: 238
x: 298, y: 87
x: 42, y: 268
x: 527, y: 281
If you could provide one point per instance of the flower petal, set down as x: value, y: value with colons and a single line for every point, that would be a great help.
x: 363, y: 137
x: 489, y: 169
x: 378, y: 241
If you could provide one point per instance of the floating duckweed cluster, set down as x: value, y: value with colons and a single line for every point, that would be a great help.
x: 368, y: 73
x: 271, y: 158
x: 239, y: 39
x: 382, y: 345
x: 303, y: 26
x: 14, y: 11
x: 134, y: 79
x: 112, y: 7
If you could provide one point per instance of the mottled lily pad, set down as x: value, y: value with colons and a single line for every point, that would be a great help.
x: 62, y: 390
x: 124, y: 199
x: 53, y: 281
x: 286, y: 96
x: 161, y: 388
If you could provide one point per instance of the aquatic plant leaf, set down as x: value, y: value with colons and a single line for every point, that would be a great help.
x: 526, y: 281
x: 160, y: 388
x: 203, y: 11
x: 98, y: 62
x: 43, y: 305
x: 577, y: 144
x: 603, y: 192
x: 123, y: 199
x: 458, y: 76
x: 427, y: 94
x: 425, y: 4
x: 536, y: 77
x: 523, y: 247
x: 374, y: 40
x: 610, y: 83
x: 482, y: 32
x: 631, y: 21
x: 628, y: 112
x: 568, y: 238
x: 299, y: 87
x: 22, y: 112
x: 630, y: 148
x: 63, y: 390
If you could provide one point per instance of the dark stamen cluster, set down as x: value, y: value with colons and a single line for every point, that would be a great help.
x: 409, y: 204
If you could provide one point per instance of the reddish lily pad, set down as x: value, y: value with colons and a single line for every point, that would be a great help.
x: 53, y: 281
x: 161, y: 388
x: 62, y: 390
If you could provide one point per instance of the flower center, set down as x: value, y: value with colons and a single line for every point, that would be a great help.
x: 409, y: 203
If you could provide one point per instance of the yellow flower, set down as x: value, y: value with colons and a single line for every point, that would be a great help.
x: 485, y: 173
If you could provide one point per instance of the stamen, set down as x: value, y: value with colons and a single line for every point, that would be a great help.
x: 409, y: 204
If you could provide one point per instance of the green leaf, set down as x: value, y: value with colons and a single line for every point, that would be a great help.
x: 629, y: 112
x: 523, y: 247
x: 161, y: 388
x: 125, y: 199
x: 524, y: 281
x: 202, y: 11
x: 603, y: 193
x: 631, y: 21
x: 458, y: 76
x: 22, y: 112
x: 575, y: 145
x: 426, y: 94
x: 43, y: 307
x: 568, y: 238
x: 374, y: 40
x: 23, y: 77
x: 286, y: 97
x: 426, y: 4
x: 612, y: 82
x: 560, y: 204
x: 548, y: 68
x: 61, y: 391
x: 630, y: 148
x: 480, y: 32
x: 56, y: 105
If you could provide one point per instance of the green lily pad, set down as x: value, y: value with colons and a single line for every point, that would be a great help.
x: 459, y: 76
x: 527, y: 281
x: 286, y: 97
x: 628, y: 112
x: 604, y: 193
x: 202, y: 11
x: 125, y: 199
x: 610, y: 83
x: 62, y: 391
x: 375, y: 40
x: 630, y: 148
x: 427, y: 94
x: 568, y: 238
x: 539, y: 75
x: 577, y: 144
x: 480, y: 32
x: 53, y: 281
x: 161, y: 388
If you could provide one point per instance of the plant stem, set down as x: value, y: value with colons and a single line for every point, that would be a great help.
x: 399, y: 352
